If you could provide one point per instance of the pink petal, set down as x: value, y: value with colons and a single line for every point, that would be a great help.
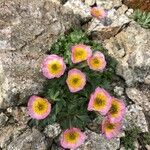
x: 31, y: 111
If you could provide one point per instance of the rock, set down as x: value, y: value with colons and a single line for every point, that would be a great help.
x: 14, y: 137
x: 90, y: 2
x: 27, y: 30
x: 8, y: 133
x: 129, y: 12
x: 110, y: 26
x: 136, y: 145
x: 139, y: 98
x: 52, y: 131
x: 97, y: 141
x: 131, y: 49
x: 57, y: 1
x: 55, y: 147
x: 30, y: 140
x: 79, y: 8
x: 109, y: 4
x: 119, y: 91
x: 135, y: 117
x: 20, y: 115
x: 3, y: 119
x: 148, y: 147
x: 147, y: 80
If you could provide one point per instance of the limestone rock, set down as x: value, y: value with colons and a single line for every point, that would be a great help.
x: 8, y: 133
x: 110, y: 26
x: 139, y: 98
x: 97, y: 141
x: 131, y: 49
x: 3, y: 119
x: 14, y: 137
x: 19, y: 115
x: 27, y: 30
x: 109, y: 4
x: 55, y: 147
x: 135, y: 117
x: 29, y: 140
x: 79, y: 8
x: 90, y: 2
x: 52, y: 131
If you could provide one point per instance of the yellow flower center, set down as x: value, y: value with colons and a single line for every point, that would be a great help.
x: 96, y: 63
x: 110, y: 127
x: 71, y: 137
x: 75, y: 80
x: 114, y: 109
x: 80, y: 54
x: 97, y: 12
x: 40, y: 106
x: 99, y: 102
x: 55, y: 67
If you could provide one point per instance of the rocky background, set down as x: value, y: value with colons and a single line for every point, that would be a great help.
x: 27, y: 30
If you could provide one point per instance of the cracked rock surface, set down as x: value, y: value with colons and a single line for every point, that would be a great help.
x: 131, y: 48
x: 27, y: 30
x: 97, y: 141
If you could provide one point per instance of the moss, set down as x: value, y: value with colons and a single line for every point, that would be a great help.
x: 131, y: 136
x: 143, y: 18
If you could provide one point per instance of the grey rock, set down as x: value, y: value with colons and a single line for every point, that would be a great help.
x: 55, y: 147
x: 148, y: 147
x: 52, y: 131
x: 139, y: 98
x: 90, y: 2
x: 27, y: 30
x: 109, y: 4
x: 147, y: 80
x: 97, y: 141
x: 110, y: 26
x: 129, y: 12
x: 79, y: 8
x: 8, y: 133
x: 30, y: 140
x: 134, y: 65
x: 3, y: 119
x: 119, y: 91
x: 135, y: 117
x: 20, y: 115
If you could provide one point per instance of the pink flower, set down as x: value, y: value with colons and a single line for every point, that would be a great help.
x: 80, y: 53
x: 117, y: 110
x: 98, y: 12
x: 38, y: 108
x: 76, y: 80
x: 110, y: 130
x: 53, y: 66
x: 100, y: 101
x: 97, y: 61
x: 72, y: 138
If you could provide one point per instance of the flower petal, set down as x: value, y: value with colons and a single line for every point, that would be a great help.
x: 117, y: 110
x: 76, y: 80
x: 97, y: 61
x: 72, y: 138
x: 100, y: 101
x: 53, y: 66
x: 109, y: 129
x: 38, y: 108
x: 80, y: 53
x: 98, y: 12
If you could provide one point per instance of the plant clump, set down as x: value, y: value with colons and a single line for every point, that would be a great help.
x: 79, y: 75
